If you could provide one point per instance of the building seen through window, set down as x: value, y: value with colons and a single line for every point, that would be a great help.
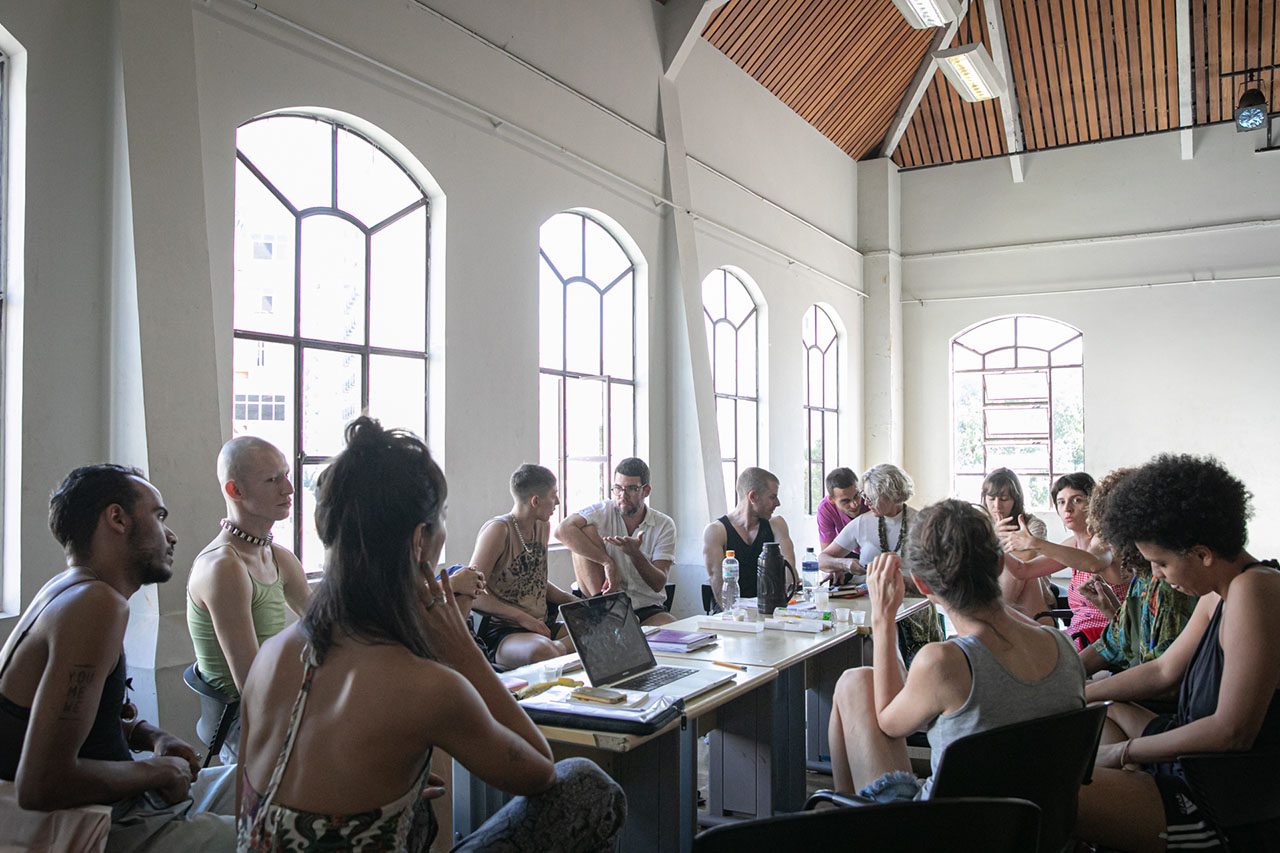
x: 330, y: 261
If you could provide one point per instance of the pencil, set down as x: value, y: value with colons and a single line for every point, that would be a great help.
x: 730, y: 665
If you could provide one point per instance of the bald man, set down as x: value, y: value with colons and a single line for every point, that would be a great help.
x: 241, y: 582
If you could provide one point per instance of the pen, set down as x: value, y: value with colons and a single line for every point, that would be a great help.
x: 730, y: 665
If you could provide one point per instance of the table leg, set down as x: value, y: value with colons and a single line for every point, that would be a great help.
x: 741, y: 771
x: 474, y: 802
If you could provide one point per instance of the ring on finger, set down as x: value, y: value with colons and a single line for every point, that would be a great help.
x: 432, y: 603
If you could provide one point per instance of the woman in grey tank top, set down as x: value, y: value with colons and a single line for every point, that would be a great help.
x: 1001, y: 669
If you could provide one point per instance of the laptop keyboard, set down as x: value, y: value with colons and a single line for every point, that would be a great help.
x: 654, y: 678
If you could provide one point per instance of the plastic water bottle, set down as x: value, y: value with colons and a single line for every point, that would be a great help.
x: 809, y: 573
x: 729, y: 590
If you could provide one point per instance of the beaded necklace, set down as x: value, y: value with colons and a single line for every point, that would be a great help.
x: 260, y: 541
x: 884, y: 534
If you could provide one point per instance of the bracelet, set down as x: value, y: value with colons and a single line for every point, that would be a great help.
x: 1124, y: 753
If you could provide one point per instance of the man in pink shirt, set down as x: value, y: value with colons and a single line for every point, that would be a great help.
x: 842, y: 504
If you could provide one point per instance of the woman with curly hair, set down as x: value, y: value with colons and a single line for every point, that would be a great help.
x: 1188, y: 517
x: 1151, y: 615
x: 342, y: 710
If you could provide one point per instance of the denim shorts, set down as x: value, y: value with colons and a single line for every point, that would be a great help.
x: 896, y: 786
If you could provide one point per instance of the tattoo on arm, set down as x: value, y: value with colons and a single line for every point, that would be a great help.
x: 78, y: 683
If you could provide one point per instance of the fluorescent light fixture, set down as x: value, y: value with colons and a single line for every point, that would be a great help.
x: 923, y: 14
x: 971, y: 71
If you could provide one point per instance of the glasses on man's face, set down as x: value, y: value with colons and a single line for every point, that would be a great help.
x: 619, y: 491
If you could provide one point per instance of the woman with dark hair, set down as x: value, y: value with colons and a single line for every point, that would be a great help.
x: 1149, y: 618
x: 1188, y: 517
x: 1001, y: 669
x: 1003, y: 499
x: 342, y: 710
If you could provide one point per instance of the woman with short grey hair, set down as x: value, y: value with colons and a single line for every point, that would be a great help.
x: 889, y: 482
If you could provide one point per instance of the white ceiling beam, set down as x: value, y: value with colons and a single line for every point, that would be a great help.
x: 920, y: 83
x: 680, y: 24
x: 1186, y: 112
x: 1013, y: 139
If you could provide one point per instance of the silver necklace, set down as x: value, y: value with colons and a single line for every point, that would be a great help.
x: 523, y: 544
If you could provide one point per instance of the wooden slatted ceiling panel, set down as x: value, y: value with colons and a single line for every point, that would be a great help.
x: 1232, y: 35
x: 945, y: 127
x: 842, y: 65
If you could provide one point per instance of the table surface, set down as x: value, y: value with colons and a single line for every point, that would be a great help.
x: 743, y: 682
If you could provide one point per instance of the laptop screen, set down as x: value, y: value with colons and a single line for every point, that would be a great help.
x: 608, y: 637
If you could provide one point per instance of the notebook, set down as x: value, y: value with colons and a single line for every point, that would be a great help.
x: 615, y: 653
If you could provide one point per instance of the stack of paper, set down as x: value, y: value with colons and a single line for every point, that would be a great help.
x: 667, y: 640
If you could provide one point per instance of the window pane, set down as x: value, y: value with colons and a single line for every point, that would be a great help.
x: 1018, y: 422
x: 747, y: 364
x: 815, y: 437
x: 1000, y: 359
x: 726, y: 427
x: 293, y: 153
x: 830, y: 441
x: 622, y: 402
x: 398, y: 282
x: 726, y: 359
x: 398, y: 392
x: 560, y: 238
x: 1068, y: 419
x: 330, y: 399
x: 273, y: 376
x: 263, y: 293
x: 968, y: 487
x: 831, y: 378
x: 963, y: 358
x: 304, y: 504
x: 583, y: 332
x: 1017, y: 386
x: 826, y: 332
x: 550, y: 317
x: 549, y: 422
x: 815, y: 377
x: 738, y: 302
x: 371, y: 186
x: 807, y: 334
x: 333, y: 257
x: 747, y: 449
x: 1072, y: 353
x: 584, y: 418
x: 730, y: 474
x: 619, y: 330
x: 989, y: 336
x: 711, y: 351
x: 1043, y: 333
x: 1037, y: 496
x: 584, y: 484
x: 1032, y: 357
x: 605, y: 258
x: 1019, y: 457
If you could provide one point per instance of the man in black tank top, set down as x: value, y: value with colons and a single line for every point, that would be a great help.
x: 745, y: 529
x: 62, y: 678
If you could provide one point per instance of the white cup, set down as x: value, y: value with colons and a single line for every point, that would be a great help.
x: 822, y: 598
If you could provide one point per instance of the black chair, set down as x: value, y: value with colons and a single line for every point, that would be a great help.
x: 961, y: 825
x: 213, y: 704
x: 708, y: 599
x: 1045, y: 760
x: 1240, y: 794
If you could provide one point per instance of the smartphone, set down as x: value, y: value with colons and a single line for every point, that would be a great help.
x: 598, y: 694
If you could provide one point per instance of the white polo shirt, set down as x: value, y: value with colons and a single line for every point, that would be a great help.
x: 862, y: 535
x: 659, y: 543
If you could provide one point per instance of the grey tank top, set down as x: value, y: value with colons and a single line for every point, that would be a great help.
x: 999, y: 698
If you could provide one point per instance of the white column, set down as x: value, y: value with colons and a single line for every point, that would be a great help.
x: 879, y: 235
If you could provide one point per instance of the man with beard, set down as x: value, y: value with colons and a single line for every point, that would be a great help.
x: 63, y: 739
x: 745, y: 529
x: 624, y: 545
x: 241, y: 581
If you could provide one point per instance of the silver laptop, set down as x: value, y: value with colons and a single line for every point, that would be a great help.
x: 615, y: 653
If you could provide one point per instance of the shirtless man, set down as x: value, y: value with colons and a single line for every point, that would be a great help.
x: 241, y: 581
x: 751, y: 521
x: 63, y: 679
x: 511, y: 554
x: 624, y: 545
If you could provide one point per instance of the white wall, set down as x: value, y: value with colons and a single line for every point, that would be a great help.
x: 1180, y: 368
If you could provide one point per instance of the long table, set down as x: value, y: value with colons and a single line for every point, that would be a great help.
x: 763, y: 743
x: 657, y: 771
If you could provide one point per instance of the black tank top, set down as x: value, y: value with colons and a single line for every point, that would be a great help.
x: 747, y: 555
x: 1198, y: 697
x: 105, y: 741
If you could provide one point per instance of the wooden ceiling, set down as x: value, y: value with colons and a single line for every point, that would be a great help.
x: 1083, y: 70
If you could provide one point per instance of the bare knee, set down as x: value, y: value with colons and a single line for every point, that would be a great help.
x: 855, y: 689
x: 544, y: 649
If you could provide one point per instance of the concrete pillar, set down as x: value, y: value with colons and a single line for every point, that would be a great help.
x: 879, y: 240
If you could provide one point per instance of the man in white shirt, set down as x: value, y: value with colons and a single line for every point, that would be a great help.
x: 624, y: 545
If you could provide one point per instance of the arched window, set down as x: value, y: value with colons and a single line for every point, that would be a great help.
x: 822, y: 401
x: 587, y: 355
x: 330, y: 296
x: 1018, y: 393
x: 733, y: 343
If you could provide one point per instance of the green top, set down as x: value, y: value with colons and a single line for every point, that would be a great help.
x: 267, y: 608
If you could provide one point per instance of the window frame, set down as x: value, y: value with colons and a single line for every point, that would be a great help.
x: 364, y: 350
x: 563, y: 375
x: 987, y: 404
x: 832, y: 351
x: 736, y: 398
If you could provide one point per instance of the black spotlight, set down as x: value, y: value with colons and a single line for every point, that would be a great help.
x: 1251, y: 111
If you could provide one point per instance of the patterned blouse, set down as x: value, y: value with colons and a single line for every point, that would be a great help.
x: 1086, y: 618
x: 1151, y: 617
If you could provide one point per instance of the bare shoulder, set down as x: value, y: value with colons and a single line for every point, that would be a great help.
x: 779, y: 525
x: 98, y: 613
x: 1256, y: 590
x: 218, y: 573
x: 287, y: 561
x: 714, y: 533
x: 943, y: 668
